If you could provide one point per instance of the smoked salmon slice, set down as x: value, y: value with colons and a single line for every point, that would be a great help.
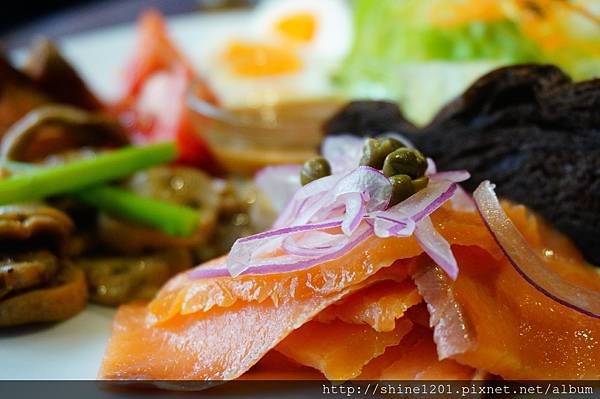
x: 491, y: 318
x: 274, y: 366
x: 378, y: 305
x: 488, y: 319
x: 185, y: 295
x: 223, y: 344
x: 415, y: 359
x: 340, y: 350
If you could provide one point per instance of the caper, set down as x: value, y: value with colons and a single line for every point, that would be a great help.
x: 314, y: 169
x: 375, y: 151
x: 402, y: 188
x: 405, y: 161
x: 420, y: 183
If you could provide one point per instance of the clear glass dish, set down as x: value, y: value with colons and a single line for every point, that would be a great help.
x: 246, y: 140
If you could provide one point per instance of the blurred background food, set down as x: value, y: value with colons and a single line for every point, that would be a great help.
x: 60, y: 246
x: 422, y: 53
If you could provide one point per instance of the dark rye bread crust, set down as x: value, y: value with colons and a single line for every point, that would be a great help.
x: 531, y: 131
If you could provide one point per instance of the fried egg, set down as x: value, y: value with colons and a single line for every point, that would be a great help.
x: 287, y: 53
x: 321, y: 27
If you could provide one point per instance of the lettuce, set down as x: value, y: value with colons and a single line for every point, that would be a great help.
x: 399, y: 54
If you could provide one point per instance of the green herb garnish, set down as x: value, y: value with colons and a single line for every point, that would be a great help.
x: 80, y: 179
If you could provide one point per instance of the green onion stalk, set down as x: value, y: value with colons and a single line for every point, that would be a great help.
x: 82, y: 179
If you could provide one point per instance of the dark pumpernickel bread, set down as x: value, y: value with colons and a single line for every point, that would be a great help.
x: 536, y: 135
x: 368, y: 118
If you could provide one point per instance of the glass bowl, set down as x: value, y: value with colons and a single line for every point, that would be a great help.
x: 245, y: 140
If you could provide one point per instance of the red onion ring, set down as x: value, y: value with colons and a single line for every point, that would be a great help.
x: 431, y: 167
x: 462, y: 201
x: 289, y: 264
x: 526, y: 262
x: 343, y: 201
x: 312, y: 243
x: 278, y: 183
x: 322, y: 196
x: 436, y: 247
x: 355, y: 211
x: 312, y: 191
x: 343, y: 152
x: 455, y: 176
x: 242, y: 251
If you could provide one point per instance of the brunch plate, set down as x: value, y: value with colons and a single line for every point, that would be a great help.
x: 74, y: 348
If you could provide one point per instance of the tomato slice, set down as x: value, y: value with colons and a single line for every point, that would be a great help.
x: 157, y: 80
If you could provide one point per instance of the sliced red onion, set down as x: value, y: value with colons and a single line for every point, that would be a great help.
x: 279, y: 183
x: 400, y: 219
x: 421, y: 204
x: 363, y: 190
x: 436, y: 247
x: 286, y: 264
x: 313, y: 243
x: 431, y: 167
x: 244, y: 249
x: 355, y: 211
x: 371, y: 183
x: 455, y: 176
x: 388, y: 225
x: 462, y: 201
x: 341, y: 201
x: 201, y: 272
x: 343, y: 152
x: 364, y: 182
x: 526, y: 262
x: 303, y: 197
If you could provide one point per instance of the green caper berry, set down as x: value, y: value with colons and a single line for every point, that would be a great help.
x: 314, y: 169
x: 420, y: 183
x: 405, y: 161
x: 375, y: 151
x: 402, y: 188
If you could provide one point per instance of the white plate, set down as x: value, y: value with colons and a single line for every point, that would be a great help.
x: 73, y: 349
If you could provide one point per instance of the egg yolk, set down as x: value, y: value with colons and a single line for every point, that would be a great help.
x: 299, y: 27
x: 261, y: 60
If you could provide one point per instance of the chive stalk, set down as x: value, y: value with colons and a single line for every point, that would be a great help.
x: 177, y: 220
x: 72, y: 176
x: 173, y: 219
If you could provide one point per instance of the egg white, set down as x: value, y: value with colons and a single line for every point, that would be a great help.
x: 236, y: 91
x: 334, y: 31
x: 319, y: 57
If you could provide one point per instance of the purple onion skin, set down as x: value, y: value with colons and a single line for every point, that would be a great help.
x: 519, y: 269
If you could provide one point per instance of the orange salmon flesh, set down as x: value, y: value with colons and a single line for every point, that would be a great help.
x: 384, y: 310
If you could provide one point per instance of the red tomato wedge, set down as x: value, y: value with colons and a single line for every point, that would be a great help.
x: 158, y: 79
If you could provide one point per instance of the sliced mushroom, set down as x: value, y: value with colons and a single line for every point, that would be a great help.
x: 55, y: 76
x: 117, y: 280
x: 64, y: 297
x: 26, y: 270
x: 54, y: 129
x: 181, y: 185
x: 29, y: 221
